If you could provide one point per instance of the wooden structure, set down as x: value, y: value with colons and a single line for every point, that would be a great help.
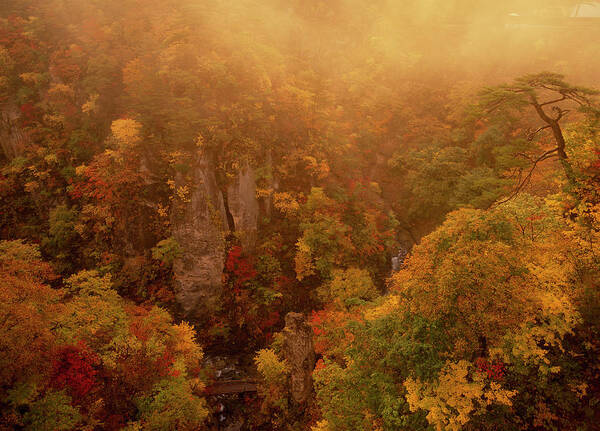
x: 231, y: 387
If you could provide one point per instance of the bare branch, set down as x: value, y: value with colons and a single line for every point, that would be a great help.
x: 531, y: 135
x: 560, y: 112
x: 525, y: 181
x: 550, y: 102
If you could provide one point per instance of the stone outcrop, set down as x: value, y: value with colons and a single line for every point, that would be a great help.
x: 199, y: 227
x: 299, y: 352
x: 243, y: 206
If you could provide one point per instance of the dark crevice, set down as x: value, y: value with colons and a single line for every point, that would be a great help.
x: 230, y: 221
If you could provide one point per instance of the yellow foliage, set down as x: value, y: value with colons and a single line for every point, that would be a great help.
x: 320, y: 426
x: 163, y: 212
x: 54, y: 120
x: 530, y: 343
x: 317, y: 169
x: 482, y: 282
x: 31, y: 77
x: 263, y: 193
x: 458, y: 394
x: 185, y: 336
x: 51, y: 158
x: 80, y: 170
x: 286, y: 203
x: 61, y: 91
x: 581, y: 389
x: 177, y: 157
x: 388, y: 307
x: 183, y: 193
x: 200, y: 141
x: 126, y: 131
x: 31, y: 186
x: 347, y: 285
x: 581, y: 144
x: 186, y: 348
x: 90, y: 106
x: 303, y: 260
x: 511, y: 288
x: 272, y: 369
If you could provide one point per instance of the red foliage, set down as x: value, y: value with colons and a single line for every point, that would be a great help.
x: 239, y: 266
x: 92, y: 29
x: 160, y: 292
x: 139, y: 330
x: 494, y: 370
x: 95, y: 186
x: 63, y: 64
x: 283, y: 283
x: 270, y: 320
x: 164, y: 364
x: 144, y: 366
x: 110, y: 183
x: 23, y: 50
x: 317, y: 320
x: 75, y: 368
x: 28, y: 113
x: 115, y: 422
x: 595, y: 165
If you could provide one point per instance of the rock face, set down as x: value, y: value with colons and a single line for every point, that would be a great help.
x: 243, y: 206
x: 199, y: 227
x: 271, y: 183
x: 398, y: 260
x: 299, y: 352
x: 13, y: 139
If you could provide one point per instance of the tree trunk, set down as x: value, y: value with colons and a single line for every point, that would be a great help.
x: 558, y: 138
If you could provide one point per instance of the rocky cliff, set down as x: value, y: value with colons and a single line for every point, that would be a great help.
x: 243, y: 207
x: 199, y: 226
x: 299, y: 352
x: 13, y: 139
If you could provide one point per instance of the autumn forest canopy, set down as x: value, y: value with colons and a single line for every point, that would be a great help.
x: 299, y: 215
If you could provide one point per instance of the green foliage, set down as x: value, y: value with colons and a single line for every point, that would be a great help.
x: 364, y: 391
x: 19, y: 251
x: 274, y: 387
x: 166, y: 251
x: 517, y: 95
x: 337, y: 233
x: 171, y: 406
x: 442, y: 347
x: 62, y: 238
x: 53, y: 412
